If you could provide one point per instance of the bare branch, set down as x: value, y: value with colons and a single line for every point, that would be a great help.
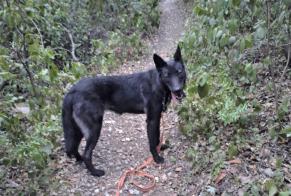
x: 38, y: 30
x: 25, y: 63
x: 269, y: 55
x: 288, y: 46
x: 283, y: 45
x: 287, y: 63
x: 73, y: 45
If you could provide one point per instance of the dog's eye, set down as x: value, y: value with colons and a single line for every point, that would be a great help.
x: 165, y: 73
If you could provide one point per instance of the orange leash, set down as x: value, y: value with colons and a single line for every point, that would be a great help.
x: 138, y: 172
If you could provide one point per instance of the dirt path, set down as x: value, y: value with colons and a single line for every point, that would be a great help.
x: 123, y: 143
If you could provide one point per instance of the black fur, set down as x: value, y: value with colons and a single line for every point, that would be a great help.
x: 146, y: 92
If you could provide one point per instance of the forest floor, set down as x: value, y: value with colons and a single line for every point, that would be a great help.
x: 123, y: 143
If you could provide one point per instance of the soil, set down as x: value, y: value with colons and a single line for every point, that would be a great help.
x: 123, y: 143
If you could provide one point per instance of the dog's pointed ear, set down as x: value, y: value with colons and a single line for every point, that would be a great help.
x: 177, y: 55
x: 159, y: 62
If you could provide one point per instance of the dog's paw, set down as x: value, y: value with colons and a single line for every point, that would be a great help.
x: 97, y: 172
x: 164, y: 147
x: 159, y: 159
x: 79, y: 159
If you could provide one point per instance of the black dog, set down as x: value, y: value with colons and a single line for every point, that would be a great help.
x: 145, y: 92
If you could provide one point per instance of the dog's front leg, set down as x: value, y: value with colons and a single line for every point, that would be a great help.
x: 153, y: 130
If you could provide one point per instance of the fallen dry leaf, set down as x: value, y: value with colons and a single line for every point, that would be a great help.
x: 220, y: 177
x: 234, y: 161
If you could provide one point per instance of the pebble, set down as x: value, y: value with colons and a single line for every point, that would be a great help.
x: 133, y: 192
x: 269, y: 172
x: 164, y: 177
x: 178, y: 169
x: 157, y: 179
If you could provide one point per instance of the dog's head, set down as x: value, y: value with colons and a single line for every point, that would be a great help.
x: 172, y: 74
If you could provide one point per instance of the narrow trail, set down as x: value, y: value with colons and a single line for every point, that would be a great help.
x: 123, y: 143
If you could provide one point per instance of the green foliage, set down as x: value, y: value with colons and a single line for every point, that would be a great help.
x: 45, y: 46
x: 224, y: 53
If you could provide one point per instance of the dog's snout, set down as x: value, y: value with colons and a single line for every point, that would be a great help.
x: 179, y: 93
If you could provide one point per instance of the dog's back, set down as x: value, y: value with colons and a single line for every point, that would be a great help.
x: 121, y: 94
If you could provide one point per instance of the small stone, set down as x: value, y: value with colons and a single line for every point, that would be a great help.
x: 125, y: 139
x: 245, y: 179
x: 133, y: 192
x: 12, y: 184
x: 265, y: 153
x: 178, y: 169
x: 269, y: 172
x: 96, y: 191
x: 157, y: 179
x: 164, y: 177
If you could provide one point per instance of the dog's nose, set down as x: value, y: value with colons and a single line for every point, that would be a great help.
x: 180, y: 93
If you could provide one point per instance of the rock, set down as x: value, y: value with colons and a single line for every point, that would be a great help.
x: 22, y: 108
x: 134, y: 192
x: 96, y: 191
x: 245, y: 179
x: 164, y: 177
x: 265, y: 153
x: 178, y: 169
x: 12, y: 184
x: 268, y: 172
x: 157, y: 179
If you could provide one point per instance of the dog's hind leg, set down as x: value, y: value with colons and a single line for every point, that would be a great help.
x: 73, y: 139
x: 89, y: 117
x: 72, y: 133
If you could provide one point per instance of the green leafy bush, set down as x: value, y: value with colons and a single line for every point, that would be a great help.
x: 225, y: 51
x: 45, y: 46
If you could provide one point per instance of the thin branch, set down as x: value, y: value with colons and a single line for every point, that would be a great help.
x: 73, y: 45
x: 26, y: 67
x: 283, y: 45
x: 60, y: 48
x: 38, y: 30
x: 287, y: 64
x: 7, y: 2
x: 288, y: 46
x: 269, y: 55
x: 24, y: 62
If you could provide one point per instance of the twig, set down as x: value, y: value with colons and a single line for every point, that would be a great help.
x: 73, y: 49
x: 26, y: 67
x: 288, y: 53
x: 25, y: 63
x: 269, y: 55
x: 287, y: 64
x: 7, y: 2
x: 281, y: 46
x: 38, y: 30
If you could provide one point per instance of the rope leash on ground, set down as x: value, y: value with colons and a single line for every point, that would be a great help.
x: 138, y: 170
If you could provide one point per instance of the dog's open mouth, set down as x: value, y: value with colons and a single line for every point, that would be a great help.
x: 178, y: 95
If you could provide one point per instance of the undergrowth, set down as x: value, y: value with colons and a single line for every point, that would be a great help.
x: 45, y: 46
x: 225, y: 52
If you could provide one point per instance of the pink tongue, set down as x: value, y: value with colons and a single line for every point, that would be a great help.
x: 174, y: 97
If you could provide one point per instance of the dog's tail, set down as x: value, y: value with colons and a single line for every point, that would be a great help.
x: 71, y: 130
